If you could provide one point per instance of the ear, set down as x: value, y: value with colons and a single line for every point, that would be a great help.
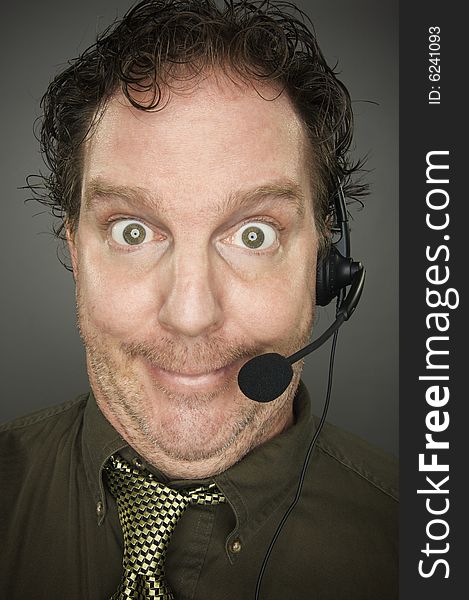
x: 72, y: 248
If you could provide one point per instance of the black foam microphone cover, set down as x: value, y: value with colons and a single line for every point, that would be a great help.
x: 265, y: 377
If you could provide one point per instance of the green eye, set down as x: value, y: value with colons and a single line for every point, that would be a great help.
x: 253, y: 237
x: 130, y: 233
x: 256, y: 236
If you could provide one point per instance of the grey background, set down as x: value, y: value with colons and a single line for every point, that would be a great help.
x: 42, y: 361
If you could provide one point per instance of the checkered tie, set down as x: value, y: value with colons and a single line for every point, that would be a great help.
x: 148, y: 512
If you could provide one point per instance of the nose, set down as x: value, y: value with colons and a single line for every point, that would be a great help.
x: 191, y: 303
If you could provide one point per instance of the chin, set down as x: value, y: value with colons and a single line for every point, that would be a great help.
x: 195, y: 426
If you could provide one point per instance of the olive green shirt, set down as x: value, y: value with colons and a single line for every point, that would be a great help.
x: 60, y: 536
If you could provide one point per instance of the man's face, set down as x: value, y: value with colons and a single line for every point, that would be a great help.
x: 195, y: 251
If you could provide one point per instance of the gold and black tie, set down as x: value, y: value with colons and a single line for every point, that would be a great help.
x: 148, y: 512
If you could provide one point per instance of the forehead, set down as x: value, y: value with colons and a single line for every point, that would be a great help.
x: 218, y: 135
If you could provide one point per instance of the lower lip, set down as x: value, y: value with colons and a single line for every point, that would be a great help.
x: 184, y: 383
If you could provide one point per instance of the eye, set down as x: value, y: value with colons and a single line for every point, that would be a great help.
x: 255, y: 236
x: 131, y: 233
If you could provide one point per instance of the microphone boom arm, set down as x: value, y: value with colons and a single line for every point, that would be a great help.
x: 343, y: 314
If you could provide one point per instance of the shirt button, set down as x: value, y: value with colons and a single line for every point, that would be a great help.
x: 99, y: 509
x: 235, y: 546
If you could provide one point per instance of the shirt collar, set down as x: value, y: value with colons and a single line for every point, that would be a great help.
x: 274, y: 466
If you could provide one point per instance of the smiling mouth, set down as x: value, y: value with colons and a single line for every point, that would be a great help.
x: 195, y: 381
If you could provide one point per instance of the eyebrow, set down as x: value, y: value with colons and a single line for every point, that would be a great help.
x: 285, y: 190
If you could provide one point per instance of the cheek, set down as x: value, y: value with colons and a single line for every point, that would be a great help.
x: 278, y: 308
x: 118, y: 301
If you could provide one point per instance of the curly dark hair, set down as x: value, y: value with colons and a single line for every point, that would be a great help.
x: 159, y: 41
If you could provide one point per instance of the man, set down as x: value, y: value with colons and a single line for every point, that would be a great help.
x: 195, y: 154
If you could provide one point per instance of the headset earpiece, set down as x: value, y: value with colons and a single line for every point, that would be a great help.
x: 333, y: 273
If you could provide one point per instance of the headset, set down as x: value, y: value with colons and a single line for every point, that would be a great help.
x: 267, y: 376
x: 337, y: 269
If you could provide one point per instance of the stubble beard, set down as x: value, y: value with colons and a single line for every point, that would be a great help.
x: 189, y: 437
